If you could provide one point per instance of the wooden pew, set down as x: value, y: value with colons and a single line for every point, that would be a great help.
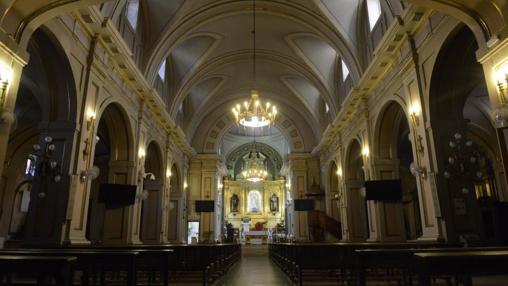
x: 60, y: 268
x: 463, y: 264
x: 151, y: 259
x: 337, y: 260
x: 92, y: 262
x: 399, y: 261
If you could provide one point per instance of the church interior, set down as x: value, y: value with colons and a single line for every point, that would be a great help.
x: 263, y: 142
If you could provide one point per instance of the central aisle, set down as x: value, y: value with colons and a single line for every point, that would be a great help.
x: 254, y: 269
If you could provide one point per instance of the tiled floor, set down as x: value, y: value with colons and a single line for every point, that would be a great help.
x: 254, y: 269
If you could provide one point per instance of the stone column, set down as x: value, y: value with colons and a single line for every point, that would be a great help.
x: 203, y: 186
x: 12, y: 60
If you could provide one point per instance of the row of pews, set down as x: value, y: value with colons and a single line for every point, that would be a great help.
x: 400, y: 263
x: 120, y: 265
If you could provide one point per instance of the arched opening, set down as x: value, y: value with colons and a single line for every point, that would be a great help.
x: 460, y: 112
x: 355, y: 200
x: 395, y: 150
x: 174, y: 205
x: 32, y: 207
x: 113, y: 157
x: 151, y: 197
x: 333, y: 191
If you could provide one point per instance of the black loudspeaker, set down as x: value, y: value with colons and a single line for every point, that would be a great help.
x: 304, y: 205
x: 116, y: 195
x: 205, y: 206
x: 385, y: 190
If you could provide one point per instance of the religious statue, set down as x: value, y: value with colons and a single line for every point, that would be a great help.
x: 234, y: 203
x: 274, y: 203
x: 254, y: 202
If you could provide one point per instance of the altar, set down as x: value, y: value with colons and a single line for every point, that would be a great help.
x: 256, y: 237
x: 254, y: 208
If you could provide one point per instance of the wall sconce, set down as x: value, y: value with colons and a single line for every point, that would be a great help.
x: 90, y: 119
x: 90, y: 174
x: 5, y: 77
x: 414, y: 111
x: 185, y: 185
x: 339, y: 172
x: 141, y: 153
x: 365, y: 151
x: 149, y: 176
x: 418, y: 171
x: 501, y: 77
x: 168, y: 173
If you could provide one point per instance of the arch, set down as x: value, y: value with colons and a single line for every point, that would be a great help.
x: 485, y: 19
x: 357, y: 217
x: 119, y: 129
x: 395, y: 154
x: 114, y: 156
x: 21, y: 22
x: 296, y: 66
x: 45, y: 106
x: 154, y: 160
x: 273, y: 164
x: 152, y: 195
x: 458, y: 102
x: 224, y: 123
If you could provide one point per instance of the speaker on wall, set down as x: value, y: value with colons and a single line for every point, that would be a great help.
x: 205, y: 206
x: 304, y: 205
x: 383, y: 190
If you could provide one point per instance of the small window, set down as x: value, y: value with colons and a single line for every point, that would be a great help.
x: 327, y: 108
x: 132, y: 13
x: 162, y: 71
x: 374, y: 11
x: 345, y: 71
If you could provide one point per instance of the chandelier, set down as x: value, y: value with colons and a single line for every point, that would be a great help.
x: 254, y: 166
x: 254, y: 113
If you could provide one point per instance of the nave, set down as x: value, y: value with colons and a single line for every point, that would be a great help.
x: 350, y: 142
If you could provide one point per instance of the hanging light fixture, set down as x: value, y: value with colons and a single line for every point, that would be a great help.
x: 253, y: 113
x: 255, y: 168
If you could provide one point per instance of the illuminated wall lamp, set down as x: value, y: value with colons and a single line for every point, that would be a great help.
x: 90, y: 119
x: 5, y: 77
x: 501, y: 77
x: 339, y: 172
x: 365, y: 151
x: 418, y: 171
x: 414, y: 112
x: 168, y: 173
x: 141, y: 153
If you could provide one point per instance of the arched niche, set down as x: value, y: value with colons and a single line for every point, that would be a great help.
x: 235, y: 162
x: 114, y: 156
x: 152, y: 195
x: 459, y: 104
x: 394, y: 151
x: 45, y: 106
x: 355, y: 200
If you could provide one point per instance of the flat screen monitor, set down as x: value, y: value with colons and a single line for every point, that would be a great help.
x: 383, y: 190
x: 205, y: 206
x: 304, y: 205
x: 117, y: 195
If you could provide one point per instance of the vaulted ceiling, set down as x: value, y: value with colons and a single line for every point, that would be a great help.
x: 207, y: 46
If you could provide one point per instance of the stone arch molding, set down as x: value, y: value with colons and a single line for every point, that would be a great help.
x: 221, y: 125
x: 485, y: 18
